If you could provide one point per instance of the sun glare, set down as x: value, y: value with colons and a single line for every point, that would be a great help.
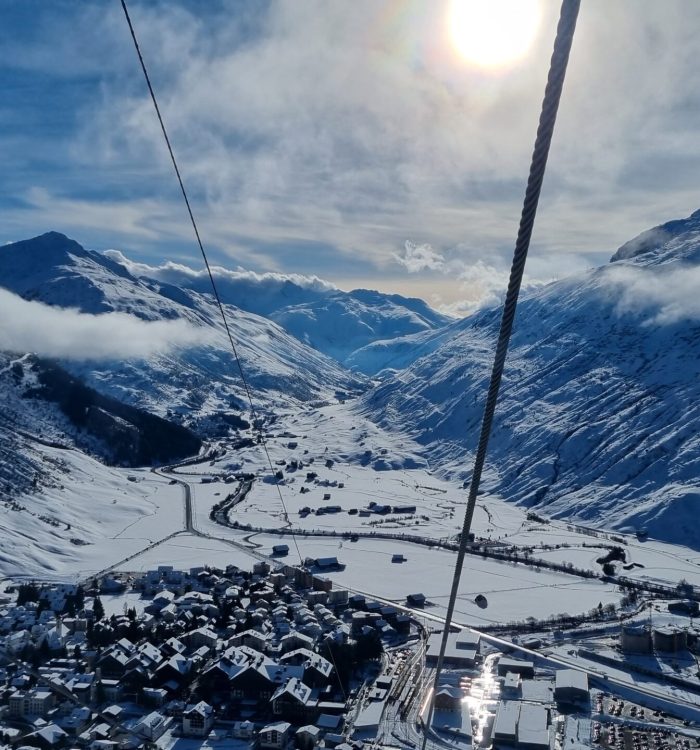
x: 493, y: 33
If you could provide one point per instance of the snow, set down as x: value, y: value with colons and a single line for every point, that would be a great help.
x: 330, y: 320
x: 598, y: 422
x: 598, y: 418
x: 195, y: 379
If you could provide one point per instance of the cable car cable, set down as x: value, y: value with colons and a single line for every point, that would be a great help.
x: 246, y: 387
x: 545, y: 129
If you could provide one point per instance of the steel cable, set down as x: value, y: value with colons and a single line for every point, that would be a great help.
x: 246, y: 387
x: 545, y: 130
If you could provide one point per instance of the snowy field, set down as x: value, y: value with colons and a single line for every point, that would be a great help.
x: 140, y: 524
x: 187, y: 551
x: 92, y: 516
x: 514, y: 592
x: 361, y: 453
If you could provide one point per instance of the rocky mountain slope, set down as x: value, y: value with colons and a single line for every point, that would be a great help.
x: 44, y: 405
x: 599, y: 413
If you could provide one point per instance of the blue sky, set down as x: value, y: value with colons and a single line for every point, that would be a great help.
x: 346, y: 140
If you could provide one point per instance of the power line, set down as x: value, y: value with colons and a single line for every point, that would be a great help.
x: 545, y: 129
x: 206, y: 263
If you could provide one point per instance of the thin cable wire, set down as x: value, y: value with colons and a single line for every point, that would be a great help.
x: 206, y: 263
x: 548, y: 116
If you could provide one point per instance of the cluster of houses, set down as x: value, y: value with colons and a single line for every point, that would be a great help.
x: 528, y: 701
x: 248, y: 655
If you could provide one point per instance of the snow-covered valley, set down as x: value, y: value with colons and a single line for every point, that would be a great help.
x: 134, y: 519
x: 596, y: 432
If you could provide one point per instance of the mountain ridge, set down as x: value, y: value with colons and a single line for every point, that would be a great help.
x: 598, y: 418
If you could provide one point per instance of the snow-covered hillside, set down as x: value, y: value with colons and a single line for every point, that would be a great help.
x: 194, y: 379
x: 599, y: 414
x: 330, y: 320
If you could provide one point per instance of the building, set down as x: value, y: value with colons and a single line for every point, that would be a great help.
x: 505, y: 725
x: 523, y: 724
x: 243, y: 730
x: 308, y: 737
x: 519, y: 666
x: 670, y: 639
x: 293, y: 701
x: 448, y: 698
x: 274, y: 736
x: 367, y: 723
x: 152, y: 726
x: 460, y: 650
x: 684, y: 607
x: 197, y: 720
x: 36, y: 702
x: 511, y: 686
x: 415, y: 600
x: 636, y: 639
x: 571, y: 686
x: 533, y: 727
x: 47, y: 737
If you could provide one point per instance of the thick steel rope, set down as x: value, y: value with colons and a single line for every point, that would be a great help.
x: 246, y: 387
x: 548, y: 116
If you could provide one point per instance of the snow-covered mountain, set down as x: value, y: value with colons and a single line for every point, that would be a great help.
x: 41, y: 403
x: 599, y: 413
x: 197, y: 379
x: 328, y: 319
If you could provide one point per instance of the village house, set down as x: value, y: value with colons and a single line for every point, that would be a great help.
x: 274, y: 736
x: 197, y: 720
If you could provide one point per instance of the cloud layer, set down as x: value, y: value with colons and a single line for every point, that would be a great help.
x: 318, y: 137
x: 69, y: 334
x: 664, y: 296
x: 179, y: 273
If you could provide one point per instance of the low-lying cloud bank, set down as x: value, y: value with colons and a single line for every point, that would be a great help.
x: 182, y: 275
x: 481, y: 284
x: 70, y: 334
x: 667, y: 296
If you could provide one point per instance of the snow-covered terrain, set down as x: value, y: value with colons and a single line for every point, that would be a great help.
x: 598, y: 417
x: 330, y: 320
x: 598, y: 422
x: 193, y: 379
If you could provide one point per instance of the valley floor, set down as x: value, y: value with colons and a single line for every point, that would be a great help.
x: 96, y: 518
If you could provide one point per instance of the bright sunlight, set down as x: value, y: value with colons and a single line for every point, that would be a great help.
x: 493, y: 33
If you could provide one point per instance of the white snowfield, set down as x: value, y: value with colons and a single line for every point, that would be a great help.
x: 117, y: 518
x: 599, y: 422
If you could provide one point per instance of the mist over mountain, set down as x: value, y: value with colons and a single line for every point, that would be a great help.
x: 326, y: 318
x: 598, y: 419
x: 599, y: 416
x: 184, y: 363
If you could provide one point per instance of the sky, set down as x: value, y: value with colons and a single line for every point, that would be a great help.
x: 347, y: 140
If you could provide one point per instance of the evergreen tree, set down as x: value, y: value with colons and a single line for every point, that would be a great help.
x: 98, y: 609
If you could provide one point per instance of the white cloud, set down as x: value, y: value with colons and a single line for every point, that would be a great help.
x: 178, y: 273
x: 480, y: 283
x: 353, y: 125
x: 664, y: 296
x: 306, y: 129
x: 70, y: 334
x: 418, y: 258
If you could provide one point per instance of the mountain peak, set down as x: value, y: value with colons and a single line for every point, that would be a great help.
x: 657, y: 238
x: 57, y: 270
x: 49, y: 243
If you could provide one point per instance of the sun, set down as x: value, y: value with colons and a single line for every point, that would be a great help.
x: 493, y: 33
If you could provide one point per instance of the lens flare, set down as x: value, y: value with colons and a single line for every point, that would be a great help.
x: 493, y: 33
